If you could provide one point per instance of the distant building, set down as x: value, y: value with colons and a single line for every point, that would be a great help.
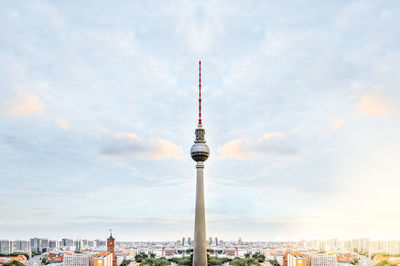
x: 22, y: 246
x: 296, y: 260
x: 78, y: 246
x: 102, y: 259
x: 231, y: 252
x: 54, y: 244
x: 19, y: 258
x: 168, y: 252
x: 210, y: 241
x: 76, y: 260
x: 384, y: 246
x: 183, y: 241
x: 216, y: 241
x: 323, y: 260
x: 344, y: 258
x: 394, y: 247
x: 45, y: 243
x: 333, y: 244
x: 55, y: 258
x: 36, y: 244
x: 6, y: 247
x: 364, y: 245
x: 100, y: 243
x: 189, y: 240
x: 346, y: 245
x: 111, y: 248
x: 65, y: 242
x: 132, y: 253
x: 240, y: 242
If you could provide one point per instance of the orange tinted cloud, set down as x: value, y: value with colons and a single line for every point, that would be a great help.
x: 63, y: 124
x: 24, y: 104
x: 375, y: 103
x: 336, y: 124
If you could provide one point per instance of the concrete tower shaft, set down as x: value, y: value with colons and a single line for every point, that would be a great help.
x: 200, y: 244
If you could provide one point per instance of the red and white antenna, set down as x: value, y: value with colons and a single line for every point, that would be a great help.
x: 200, y: 125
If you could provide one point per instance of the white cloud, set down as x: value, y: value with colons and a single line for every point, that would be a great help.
x: 24, y: 104
x: 336, y: 124
x: 375, y: 103
x: 63, y: 124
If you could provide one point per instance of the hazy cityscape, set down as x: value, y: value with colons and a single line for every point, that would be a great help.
x: 70, y: 252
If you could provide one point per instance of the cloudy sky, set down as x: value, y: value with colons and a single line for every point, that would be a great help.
x: 301, y: 105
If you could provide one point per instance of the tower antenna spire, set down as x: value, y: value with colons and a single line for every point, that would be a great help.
x: 200, y: 124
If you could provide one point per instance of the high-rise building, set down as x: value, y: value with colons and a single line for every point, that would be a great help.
x: 78, y: 246
x: 384, y: 246
x: 189, y: 240
x: 323, y: 260
x: 6, y: 247
x: 364, y: 245
x: 183, y: 241
x: 210, y: 240
x: 22, y: 246
x: 394, y: 247
x: 332, y: 244
x: 346, y: 245
x: 54, y: 244
x: 111, y: 248
x: 76, y: 260
x: 45, y: 243
x: 216, y: 241
x: 200, y: 153
x: 100, y: 243
x: 36, y: 244
x: 65, y: 242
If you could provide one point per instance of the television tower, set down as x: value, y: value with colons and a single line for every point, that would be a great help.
x: 200, y: 153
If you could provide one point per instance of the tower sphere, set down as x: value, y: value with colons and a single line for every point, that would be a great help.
x: 200, y: 150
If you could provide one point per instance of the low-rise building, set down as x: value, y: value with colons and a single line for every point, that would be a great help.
x: 168, y: 251
x: 323, y: 259
x: 76, y: 260
x: 233, y: 252
x: 296, y: 260
x: 55, y: 258
x: 102, y: 259
x: 19, y: 258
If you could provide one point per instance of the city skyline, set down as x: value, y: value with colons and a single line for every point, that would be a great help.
x: 97, y: 103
